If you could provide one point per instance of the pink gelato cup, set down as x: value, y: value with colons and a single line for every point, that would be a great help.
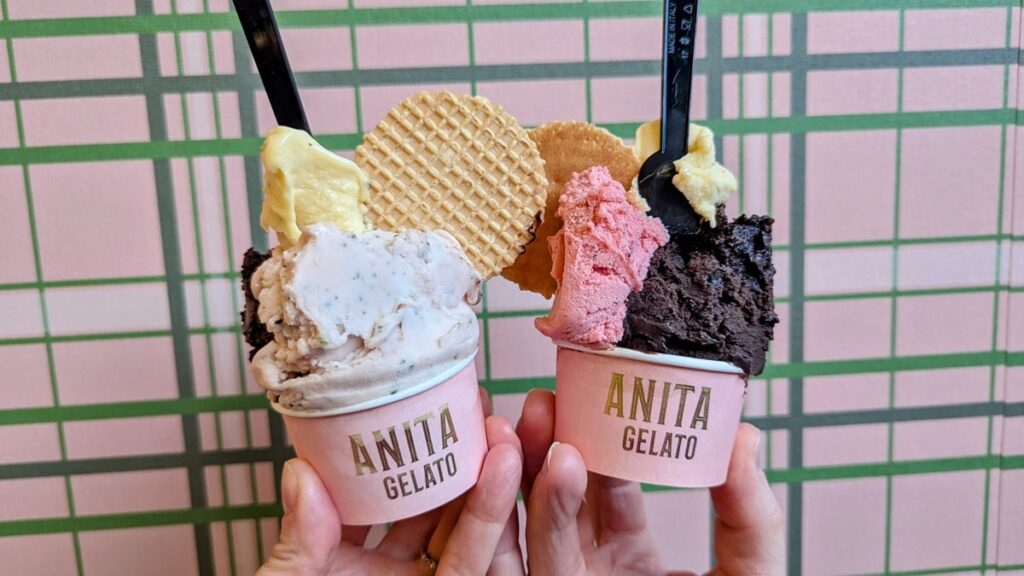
x: 400, y: 455
x: 655, y: 418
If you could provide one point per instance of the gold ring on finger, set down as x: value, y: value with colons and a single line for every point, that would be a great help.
x: 429, y: 560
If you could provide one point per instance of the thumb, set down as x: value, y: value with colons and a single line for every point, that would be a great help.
x: 554, y: 514
x: 749, y: 526
x: 310, y: 529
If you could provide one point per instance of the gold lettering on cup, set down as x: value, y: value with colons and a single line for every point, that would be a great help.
x: 703, y: 406
x: 685, y: 390
x: 385, y: 449
x: 614, y: 400
x: 397, y: 452
x: 641, y: 406
x: 361, y: 456
x: 448, y: 433
x: 642, y: 397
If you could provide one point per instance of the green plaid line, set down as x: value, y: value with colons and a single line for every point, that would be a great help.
x: 793, y: 418
x: 150, y: 24
x: 43, y: 309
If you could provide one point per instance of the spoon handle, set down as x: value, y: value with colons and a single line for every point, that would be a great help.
x: 260, y: 27
x: 677, y: 75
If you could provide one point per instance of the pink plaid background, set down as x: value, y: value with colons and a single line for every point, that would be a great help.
x: 885, y: 142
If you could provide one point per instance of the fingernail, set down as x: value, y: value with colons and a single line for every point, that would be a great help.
x: 289, y: 487
x: 551, y: 451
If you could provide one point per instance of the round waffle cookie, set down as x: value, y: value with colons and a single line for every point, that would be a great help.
x: 567, y: 147
x: 440, y: 161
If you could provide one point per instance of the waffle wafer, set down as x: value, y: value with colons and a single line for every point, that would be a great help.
x: 567, y: 147
x: 460, y: 164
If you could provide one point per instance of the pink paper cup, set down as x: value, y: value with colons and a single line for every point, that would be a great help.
x: 655, y: 418
x: 398, y: 456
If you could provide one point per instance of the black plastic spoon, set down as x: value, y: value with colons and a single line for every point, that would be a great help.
x: 667, y: 203
x: 260, y: 27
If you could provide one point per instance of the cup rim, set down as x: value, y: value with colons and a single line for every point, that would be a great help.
x: 382, y: 400
x: 657, y: 358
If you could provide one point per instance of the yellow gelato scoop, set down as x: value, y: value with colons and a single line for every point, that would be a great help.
x: 304, y: 183
x: 703, y: 181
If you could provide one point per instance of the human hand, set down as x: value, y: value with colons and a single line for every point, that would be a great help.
x: 579, y: 524
x: 475, y: 534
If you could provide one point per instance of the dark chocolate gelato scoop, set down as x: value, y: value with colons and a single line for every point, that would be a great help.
x: 255, y: 332
x: 709, y: 296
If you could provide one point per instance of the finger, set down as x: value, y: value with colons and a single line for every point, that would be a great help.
x: 449, y: 517
x: 355, y: 535
x: 586, y: 527
x: 499, y: 431
x: 590, y: 531
x: 508, y: 557
x: 485, y: 401
x: 536, y: 430
x: 745, y: 500
x: 552, y: 525
x: 408, y: 538
x: 310, y: 529
x: 749, y: 535
x: 618, y: 505
x: 474, y: 540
